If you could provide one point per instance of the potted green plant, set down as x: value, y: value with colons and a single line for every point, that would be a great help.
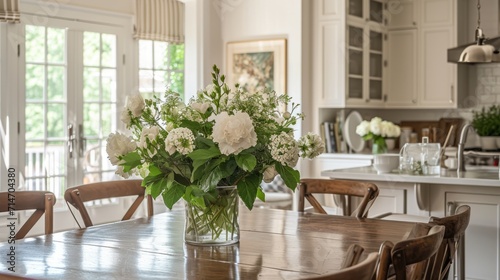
x: 487, y: 125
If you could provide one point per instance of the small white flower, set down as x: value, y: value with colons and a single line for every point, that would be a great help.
x: 269, y: 174
x: 135, y: 103
x: 234, y: 133
x: 180, y: 140
x: 200, y: 107
x: 148, y: 134
x: 118, y: 145
x: 125, y: 117
x: 311, y: 145
x: 286, y: 115
x: 119, y: 171
x: 284, y: 149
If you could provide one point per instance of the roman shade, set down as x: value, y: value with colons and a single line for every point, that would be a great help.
x: 160, y: 20
x: 9, y: 11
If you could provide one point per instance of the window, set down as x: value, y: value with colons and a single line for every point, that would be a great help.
x: 161, y: 67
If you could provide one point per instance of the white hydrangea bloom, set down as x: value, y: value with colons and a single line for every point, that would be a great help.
x: 136, y: 104
x: 311, y: 145
x: 118, y: 145
x: 119, y: 171
x: 284, y: 149
x: 375, y: 125
x: 234, y: 133
x: 363, y: 128
x: 180, y: 140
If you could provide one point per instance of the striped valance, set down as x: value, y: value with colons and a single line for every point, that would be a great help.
x: 9, y: 11
x: 161, y: 20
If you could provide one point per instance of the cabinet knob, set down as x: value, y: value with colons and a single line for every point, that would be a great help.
x: 414, y: 101
x: 367, y: 100
x: 415, y: 23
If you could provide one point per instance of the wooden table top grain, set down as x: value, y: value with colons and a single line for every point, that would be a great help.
x: 274, y: 244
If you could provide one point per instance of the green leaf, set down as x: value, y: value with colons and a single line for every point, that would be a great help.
x: 153, y: 170
x: 211, y: 179
x: 173, y: 194
x: 132, y: 160
x: 159, y: 186
x: 204, y: 154
x: 246, y: 162
x: 247, y: 189
x: 261, y: 195
x: 289, y: 175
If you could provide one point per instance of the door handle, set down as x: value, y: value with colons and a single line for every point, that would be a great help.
x: 82, y: 141
x: 71, y: 140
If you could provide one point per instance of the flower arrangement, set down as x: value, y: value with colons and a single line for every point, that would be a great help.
x: 221, y: 137
x: 378, y: 130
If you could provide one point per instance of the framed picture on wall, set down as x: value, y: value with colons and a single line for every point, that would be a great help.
x: 256, y: 65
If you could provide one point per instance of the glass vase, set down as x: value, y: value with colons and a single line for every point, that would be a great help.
x: 217, y: 222
x: 379, y: 146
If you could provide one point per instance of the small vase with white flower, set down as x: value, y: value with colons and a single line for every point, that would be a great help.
x: 378, y: 130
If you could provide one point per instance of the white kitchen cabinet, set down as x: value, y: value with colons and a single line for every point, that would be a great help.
x: 402, y: 73
x: 401, y: 14
x: 482, y: 237
x: 348, y: 66
x: 423, y: 67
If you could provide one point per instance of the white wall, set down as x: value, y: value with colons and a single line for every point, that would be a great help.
x: 266, y: 19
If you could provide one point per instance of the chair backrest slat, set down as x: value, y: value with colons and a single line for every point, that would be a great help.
x: 455, y: 226
x: 40, y: 201
x: 78, y: 195
x: 367, y: 191
x: 410, y: 257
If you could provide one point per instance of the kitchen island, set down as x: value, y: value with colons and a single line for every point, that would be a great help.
x: 438, y: 196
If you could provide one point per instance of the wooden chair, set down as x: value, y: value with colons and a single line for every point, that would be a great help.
x: 409, y: 258
x: 455, y: 227
x: 367, y: 191
x: 353, y: 255
x: 13, y: 276
x: 40, y: 201
x: 76, y: 196
x: 361, y: 271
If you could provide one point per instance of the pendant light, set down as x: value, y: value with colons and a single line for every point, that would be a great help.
x: 479, y: 52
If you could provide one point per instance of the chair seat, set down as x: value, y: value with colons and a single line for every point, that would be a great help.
x: 275, y: 197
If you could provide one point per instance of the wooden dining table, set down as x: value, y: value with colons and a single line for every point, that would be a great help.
x: 274, y: 244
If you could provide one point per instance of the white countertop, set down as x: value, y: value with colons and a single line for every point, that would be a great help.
x: 488, y: 178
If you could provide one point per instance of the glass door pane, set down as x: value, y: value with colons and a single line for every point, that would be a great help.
x: 356, y: 8
x: 46, y: 107
x: 99, y: 104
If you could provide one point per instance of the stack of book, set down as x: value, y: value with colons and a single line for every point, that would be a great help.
x: 332, y: 135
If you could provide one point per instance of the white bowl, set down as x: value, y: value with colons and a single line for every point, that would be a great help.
x: 385, y: 163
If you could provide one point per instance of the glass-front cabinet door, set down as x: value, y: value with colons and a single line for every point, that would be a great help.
x: 365, y: 52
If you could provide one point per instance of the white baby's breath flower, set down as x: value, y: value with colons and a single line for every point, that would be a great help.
x: 118, y: 145
x: 234, y: 133
x: 125, y: 117
x: 311, y: 145
x: 284, y: 149
x: 180, y: 140
x: 135, y: 103
x: 269, y: 174
x: 363, y: 128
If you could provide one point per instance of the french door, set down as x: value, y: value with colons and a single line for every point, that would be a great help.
x: 73, y: 77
